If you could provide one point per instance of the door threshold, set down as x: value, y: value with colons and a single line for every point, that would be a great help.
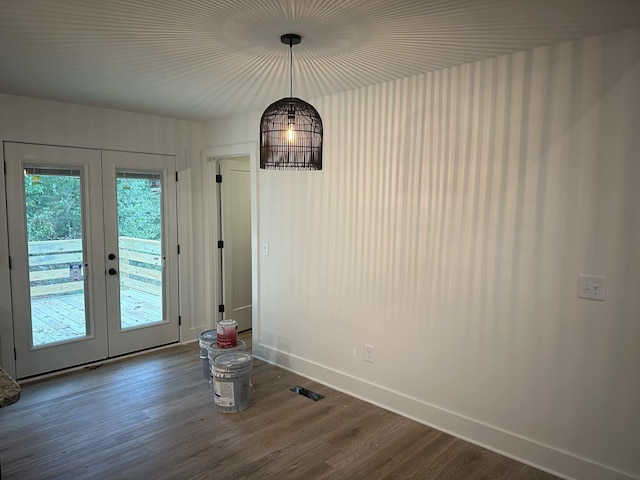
x: 93, y: 365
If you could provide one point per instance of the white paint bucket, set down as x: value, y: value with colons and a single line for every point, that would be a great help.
x: 232, y: 381
x: 213, y: 350
x: 206, y: 338
x: 227, y: 333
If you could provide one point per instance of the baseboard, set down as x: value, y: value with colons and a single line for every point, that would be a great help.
x: 559, y: 463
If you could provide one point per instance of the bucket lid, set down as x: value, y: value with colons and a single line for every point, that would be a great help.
x: 215, y: 349
x: 227, y: 322
x: 209, y: 335
x: 232, y: 359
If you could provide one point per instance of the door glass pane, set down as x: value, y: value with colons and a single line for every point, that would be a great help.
x: 53, y: 209
x: 140, y: 248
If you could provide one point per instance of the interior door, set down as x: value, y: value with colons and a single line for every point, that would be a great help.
x: 236, y: 233
x: 81, y: 289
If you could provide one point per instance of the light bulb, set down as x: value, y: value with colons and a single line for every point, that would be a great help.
x: 291, y: 130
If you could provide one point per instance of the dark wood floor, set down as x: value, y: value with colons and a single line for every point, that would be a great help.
x: 153, y: 417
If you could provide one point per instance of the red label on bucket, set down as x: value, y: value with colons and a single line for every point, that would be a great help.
x: 227, y: 333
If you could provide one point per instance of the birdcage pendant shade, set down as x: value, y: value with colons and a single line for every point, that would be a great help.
x: 291, y: 136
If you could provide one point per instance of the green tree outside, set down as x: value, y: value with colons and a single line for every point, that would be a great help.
x: 53, y: 208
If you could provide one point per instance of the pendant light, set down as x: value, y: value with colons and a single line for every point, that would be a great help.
x: 291, y: 129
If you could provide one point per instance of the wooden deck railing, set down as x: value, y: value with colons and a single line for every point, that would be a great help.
x: 53, y: 266
x: 140, y: 264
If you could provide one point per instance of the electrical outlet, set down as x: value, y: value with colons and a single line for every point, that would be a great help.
x: 368, y: 353
x: 592, y: 286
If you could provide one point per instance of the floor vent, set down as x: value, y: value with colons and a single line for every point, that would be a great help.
x: 307, y: 393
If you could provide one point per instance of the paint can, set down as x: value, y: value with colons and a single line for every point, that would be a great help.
x: 206, y: 338
x: 227, y: 333
x: 232, y: 381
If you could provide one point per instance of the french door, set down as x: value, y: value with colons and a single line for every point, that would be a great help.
x: 93, y: 246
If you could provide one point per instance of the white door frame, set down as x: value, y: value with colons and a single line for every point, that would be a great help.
x: 7, y: 359
x: 212, y: 266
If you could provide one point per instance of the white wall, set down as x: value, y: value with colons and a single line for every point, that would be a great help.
x: 39, y: 121
x: 453, y: 215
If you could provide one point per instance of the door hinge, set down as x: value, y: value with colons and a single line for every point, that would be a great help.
x: 5, y: 167
x: 176, y: 176
x: 9, y: 262
x: 221, y: 308
x: 179, y: 320
x: 220, y: 244
x: 15, y: 354
x: 178, y: 249
x: 218, y: 178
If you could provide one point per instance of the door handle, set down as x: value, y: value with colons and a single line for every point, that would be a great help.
x: 112, y: 271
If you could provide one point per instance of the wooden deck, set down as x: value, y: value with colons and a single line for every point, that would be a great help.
x: 61, y: 317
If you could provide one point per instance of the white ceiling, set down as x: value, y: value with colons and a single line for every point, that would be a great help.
x: 202, y: 59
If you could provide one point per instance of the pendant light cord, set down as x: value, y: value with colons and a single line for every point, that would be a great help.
x: 290, y: 68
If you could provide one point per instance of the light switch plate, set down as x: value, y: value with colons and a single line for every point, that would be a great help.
x: 368, y: 353
x: 593, y: 287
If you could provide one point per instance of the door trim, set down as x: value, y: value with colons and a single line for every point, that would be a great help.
x: 7, y: 359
